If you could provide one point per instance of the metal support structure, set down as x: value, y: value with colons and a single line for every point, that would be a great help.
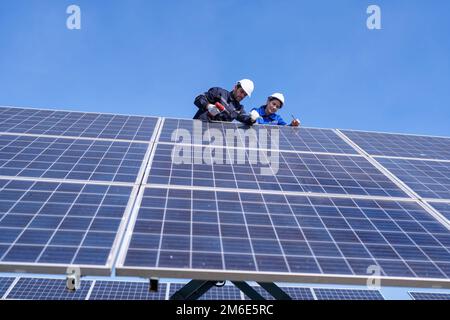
x: 275, y: 291
x: 193, y: 290
x: 197, y: 288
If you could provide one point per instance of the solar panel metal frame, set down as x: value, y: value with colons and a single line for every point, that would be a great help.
x: 94, y: 270
x: 409, y: 135
x: 215, y: 275
x: 157, y: 119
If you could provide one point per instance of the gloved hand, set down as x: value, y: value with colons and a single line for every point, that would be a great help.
x: 254, y: 115
x: 295, y: 123
x: 214, y: 110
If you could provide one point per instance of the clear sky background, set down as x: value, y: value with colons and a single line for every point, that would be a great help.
x: 152, y: 57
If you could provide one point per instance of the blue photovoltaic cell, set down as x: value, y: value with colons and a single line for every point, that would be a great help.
x: 59, y: 223
x: 125, y: 290
x: 443, y: 208
x: 76, y: 124
x: 39, y: 157
x: 347, y: 294
x: 47, y: 289
x: 400, y: 145
x: 429, y: 296
x: 332, y: 174
x: 296, y: 293
x: 5, y: 283
x: 227, y: 292
x: 185, y: 229
x: 283, y: 138
x: 429, y: 179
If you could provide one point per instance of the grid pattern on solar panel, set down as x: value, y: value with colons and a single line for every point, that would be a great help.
x: 296, y: 139
x: 398, y: 145
x: 351, y: 175
x: 62, y: 158
x: 184, y: 229
x: 347, y: 294
x: 227, y: 292
x: 47, y: 289
x: 5, y: 283
x: 429, y: 179
x: 443, y: 208
x: 296, y: 293
x: 49, y: 223
x: 76, y: 124
x: 125, y: 290
x: 429, y: 296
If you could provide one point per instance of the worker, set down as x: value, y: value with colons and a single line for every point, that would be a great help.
x: 218, y: 104
x: 267, y: 114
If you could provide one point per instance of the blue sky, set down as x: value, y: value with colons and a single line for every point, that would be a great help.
x: 154, y: 57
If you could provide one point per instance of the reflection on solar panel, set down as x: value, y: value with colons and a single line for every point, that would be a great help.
x: 351, y: 175
x: 443, y: 208
x: 76, y: 124
x: 196, y: 230
x: 429, y: 296
x: 298, y: 139
x: 47, y: 289
x: 399, y: 145
x: 227, y: 292
x: 63, y: 158
x: 429, y: 179
x: 5, y: 283
x: 347, y: 294
x: 59, y: 223
x: 125, y: 290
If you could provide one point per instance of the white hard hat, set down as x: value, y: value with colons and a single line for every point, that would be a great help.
x: 247, y: 85
x: 278, y: 96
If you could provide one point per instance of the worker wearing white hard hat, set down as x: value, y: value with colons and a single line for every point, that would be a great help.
x: 218, y: 104
x: 267, y: 114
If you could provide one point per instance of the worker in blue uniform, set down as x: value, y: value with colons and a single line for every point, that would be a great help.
x: 267, y: 114
x: 218, y: 104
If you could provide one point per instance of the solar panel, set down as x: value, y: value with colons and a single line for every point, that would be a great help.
x: 5, y: 284
x: 191, y: 232
x: 296, y: 293
x: 401, y: 145
x: 227, y: 292
x: 47, y: 289
x: 443, y: 208
x: 429, y: 179
x: 62, y: 158
x: 295, y: 139
x: 347, y: 294
x: 332, y: 174
x: 76, y: 124
x: 125, y: 290
x: 51, y: 224
x: 429, y: 296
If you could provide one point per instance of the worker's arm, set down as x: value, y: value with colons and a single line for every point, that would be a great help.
x: 210, y: 97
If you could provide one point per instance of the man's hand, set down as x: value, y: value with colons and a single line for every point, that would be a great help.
x: 295, y: 123
x: 214, y: 110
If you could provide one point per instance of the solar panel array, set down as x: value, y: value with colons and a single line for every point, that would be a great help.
x: 54, y: 289
x: 67, y: 185
x: 429, y: 296
x: 327, y: 211
x: 313, y: 204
